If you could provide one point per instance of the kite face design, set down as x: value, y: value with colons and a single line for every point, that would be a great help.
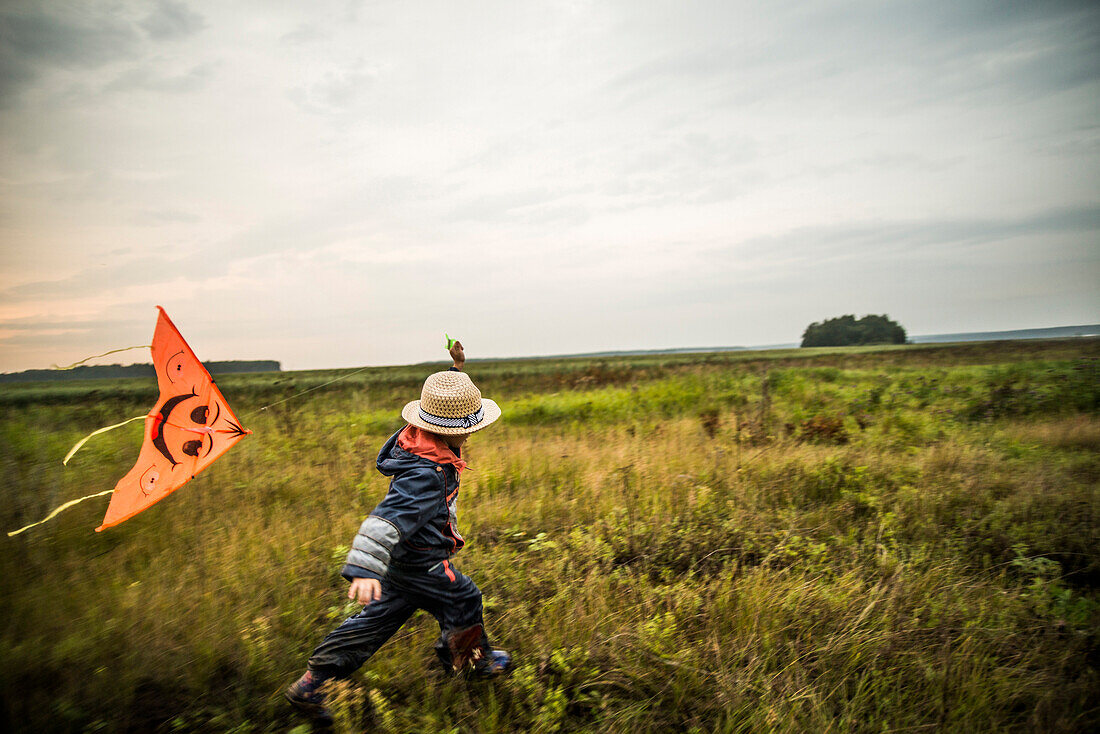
x: 161, y: 426
x: 190, y: 426
x: 180, y: 430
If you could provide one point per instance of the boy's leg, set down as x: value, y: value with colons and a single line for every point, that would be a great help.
x: 455, y: 601
x: 345, y: 649
x: 348, y: 646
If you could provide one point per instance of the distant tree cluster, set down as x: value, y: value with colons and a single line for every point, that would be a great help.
x: 112, y: 371
x: 848, y: 330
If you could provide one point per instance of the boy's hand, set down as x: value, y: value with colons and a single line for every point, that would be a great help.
x: 457, y: 355
x: 365, y: 590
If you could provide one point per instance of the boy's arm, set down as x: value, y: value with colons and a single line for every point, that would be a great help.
x: 458, y: 355
x: 413, y: 499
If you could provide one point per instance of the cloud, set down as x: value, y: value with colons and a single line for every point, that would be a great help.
x: 29, y: 325
x: 121, y: 274
x: 337, y: 92
x: 155, y: 217
x: 604, y: 175
x: 872, y: 240
x: 172, y: 20
x: 34, y: 39
x: 871, y: 54
x: 40, y: 291
x: 499, y: 205
x: 146, y: 79
x: 303, y: 34
x: 986, y: 47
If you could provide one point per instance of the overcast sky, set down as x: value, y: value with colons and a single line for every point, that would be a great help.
x: 337, y: 183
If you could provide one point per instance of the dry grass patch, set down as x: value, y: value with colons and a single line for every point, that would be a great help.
x: 1074, y: 433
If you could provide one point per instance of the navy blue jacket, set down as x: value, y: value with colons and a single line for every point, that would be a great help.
x: 414, y: 526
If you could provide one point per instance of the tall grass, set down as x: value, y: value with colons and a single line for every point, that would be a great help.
x: 846, y: 540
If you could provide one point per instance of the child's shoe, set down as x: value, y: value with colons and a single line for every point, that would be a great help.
x: 305, y: 696
x: 492, y: 663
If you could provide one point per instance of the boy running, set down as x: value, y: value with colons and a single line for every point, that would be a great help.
x: 400, y: 559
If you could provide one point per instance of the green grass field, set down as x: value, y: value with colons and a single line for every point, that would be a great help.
x: 875, y: 540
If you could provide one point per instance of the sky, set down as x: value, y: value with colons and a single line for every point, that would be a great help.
x: 338, y: 183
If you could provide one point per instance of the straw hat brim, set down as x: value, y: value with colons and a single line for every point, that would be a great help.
x: 411, y: 414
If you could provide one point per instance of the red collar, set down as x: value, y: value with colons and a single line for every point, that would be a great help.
x: 429, y: 446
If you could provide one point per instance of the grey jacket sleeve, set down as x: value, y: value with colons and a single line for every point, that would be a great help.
x: 369, y: 556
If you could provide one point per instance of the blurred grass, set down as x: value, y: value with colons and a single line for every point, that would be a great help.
x: 807, y: 540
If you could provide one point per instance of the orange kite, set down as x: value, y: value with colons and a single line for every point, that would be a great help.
x: 190, y: 426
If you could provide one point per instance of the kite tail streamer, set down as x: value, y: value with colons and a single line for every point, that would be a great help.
x: 59, y: 510
x: 84, y: 440
x: 113, y: 351
x: 68, y: 456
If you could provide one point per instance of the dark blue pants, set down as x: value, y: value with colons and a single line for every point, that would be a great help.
x: 447, y: 594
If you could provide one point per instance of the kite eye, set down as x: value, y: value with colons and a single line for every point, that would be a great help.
x: 149, y: 479
x: 173, y: 368
x: 199, y: 414
x: 191, y: 448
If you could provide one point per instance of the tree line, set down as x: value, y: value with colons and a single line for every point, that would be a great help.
x: 105, y: 371
x: 847, y: 330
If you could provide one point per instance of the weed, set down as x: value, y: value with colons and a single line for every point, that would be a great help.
x: 710, y: 421
x: 824, y: 429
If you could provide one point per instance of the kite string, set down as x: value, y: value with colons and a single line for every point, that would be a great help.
x: 303, y: 392
x: 94, y: 356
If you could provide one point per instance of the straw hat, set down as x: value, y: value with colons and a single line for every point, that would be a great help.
x: 450, y: 404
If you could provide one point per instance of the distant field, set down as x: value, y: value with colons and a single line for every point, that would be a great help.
x: 863, y: 539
